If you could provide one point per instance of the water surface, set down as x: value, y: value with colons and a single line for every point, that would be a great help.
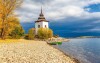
x: 85, y: 50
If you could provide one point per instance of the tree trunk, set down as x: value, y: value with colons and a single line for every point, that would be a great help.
x: 2, y: 33
x: 3, y: 29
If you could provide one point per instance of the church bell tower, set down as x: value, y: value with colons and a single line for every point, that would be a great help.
x: 41, y: 22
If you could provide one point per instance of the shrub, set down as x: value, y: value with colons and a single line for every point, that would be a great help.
x: 50, y: 33
x: 17, y: 33
x: 30, y: 35
x: 45, y: 33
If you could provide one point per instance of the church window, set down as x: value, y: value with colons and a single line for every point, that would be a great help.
x: 45, y: 26
x: 38, y: 26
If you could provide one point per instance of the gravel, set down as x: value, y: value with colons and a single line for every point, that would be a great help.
x: 27, y: 51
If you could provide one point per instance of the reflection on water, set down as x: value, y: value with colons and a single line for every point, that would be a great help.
x: 85, y: 50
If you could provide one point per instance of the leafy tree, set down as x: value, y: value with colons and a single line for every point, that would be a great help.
x: 31, y: 34
x: 13, y: 22
x: 17, y: 33
x: 7, y: 8
x: 45, y: 33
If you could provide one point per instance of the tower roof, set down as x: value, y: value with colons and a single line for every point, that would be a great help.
x: 41, y: 17
x: 41, y: 14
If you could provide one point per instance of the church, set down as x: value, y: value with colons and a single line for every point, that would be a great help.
x: 41, y: 22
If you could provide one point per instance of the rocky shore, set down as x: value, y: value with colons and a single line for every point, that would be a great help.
x: 27, y: 51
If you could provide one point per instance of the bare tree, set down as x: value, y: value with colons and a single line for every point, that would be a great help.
x: 7, y: 8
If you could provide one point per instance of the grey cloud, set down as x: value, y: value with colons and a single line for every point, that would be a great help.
x: 39, y: 1
x: 56, y: 10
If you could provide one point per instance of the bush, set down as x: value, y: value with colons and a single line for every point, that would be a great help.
x: 30, y: 35
x: 26, y: 36
x: 45, y: 33
x: 17, y: 33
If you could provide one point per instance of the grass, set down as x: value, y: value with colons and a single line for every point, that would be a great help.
x: 15, y: 41
x: 9, y: 40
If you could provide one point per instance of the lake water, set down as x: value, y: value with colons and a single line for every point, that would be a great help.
x: 85, y: 50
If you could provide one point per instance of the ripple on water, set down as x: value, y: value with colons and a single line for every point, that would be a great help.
x: 85, y: 50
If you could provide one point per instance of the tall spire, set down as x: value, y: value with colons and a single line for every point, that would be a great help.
x: 41, y: 17
x: 41, y: 14
x: 41, y: 10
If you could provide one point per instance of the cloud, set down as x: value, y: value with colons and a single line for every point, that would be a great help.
x: 57, y: 9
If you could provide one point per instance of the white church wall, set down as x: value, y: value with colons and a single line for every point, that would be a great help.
x: 42, y: 25
x: 45, y: 24
x: 36, y: 26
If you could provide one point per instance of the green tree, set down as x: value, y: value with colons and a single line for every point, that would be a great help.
x: 45, y: 33
x: 17, y: 33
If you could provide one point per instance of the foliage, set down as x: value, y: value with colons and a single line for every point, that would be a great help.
x: 45, y: 33
x: 30, y: 35
x: 7, y: 8
x: 17, y: 33
x: 13, y: 22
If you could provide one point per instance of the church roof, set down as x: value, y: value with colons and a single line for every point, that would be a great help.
x: 41, y: 17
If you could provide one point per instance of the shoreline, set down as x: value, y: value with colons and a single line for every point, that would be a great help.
x: 67, y: 40
x: 30, y: 51
x: 74, y: 59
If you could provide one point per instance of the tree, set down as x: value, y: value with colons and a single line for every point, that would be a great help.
x: 7, y: 8
x: 13, y: 22
x: 17, y: 33
x: 31, y: 34
x: 45, y: 33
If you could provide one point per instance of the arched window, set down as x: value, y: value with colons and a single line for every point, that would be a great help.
x: 45, y: 26
x: 38, y: 26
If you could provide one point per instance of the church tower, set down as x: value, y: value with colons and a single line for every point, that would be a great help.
x: 41, y: 22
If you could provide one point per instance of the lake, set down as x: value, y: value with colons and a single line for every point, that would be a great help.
x: 85, y: 50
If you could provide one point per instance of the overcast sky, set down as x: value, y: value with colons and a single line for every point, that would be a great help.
x: 58, y: 9
x: 84, y: 13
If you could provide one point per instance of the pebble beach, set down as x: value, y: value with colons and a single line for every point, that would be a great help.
x: 28, y: 51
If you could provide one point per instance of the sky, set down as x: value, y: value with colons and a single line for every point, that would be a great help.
x: 72, y: 17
